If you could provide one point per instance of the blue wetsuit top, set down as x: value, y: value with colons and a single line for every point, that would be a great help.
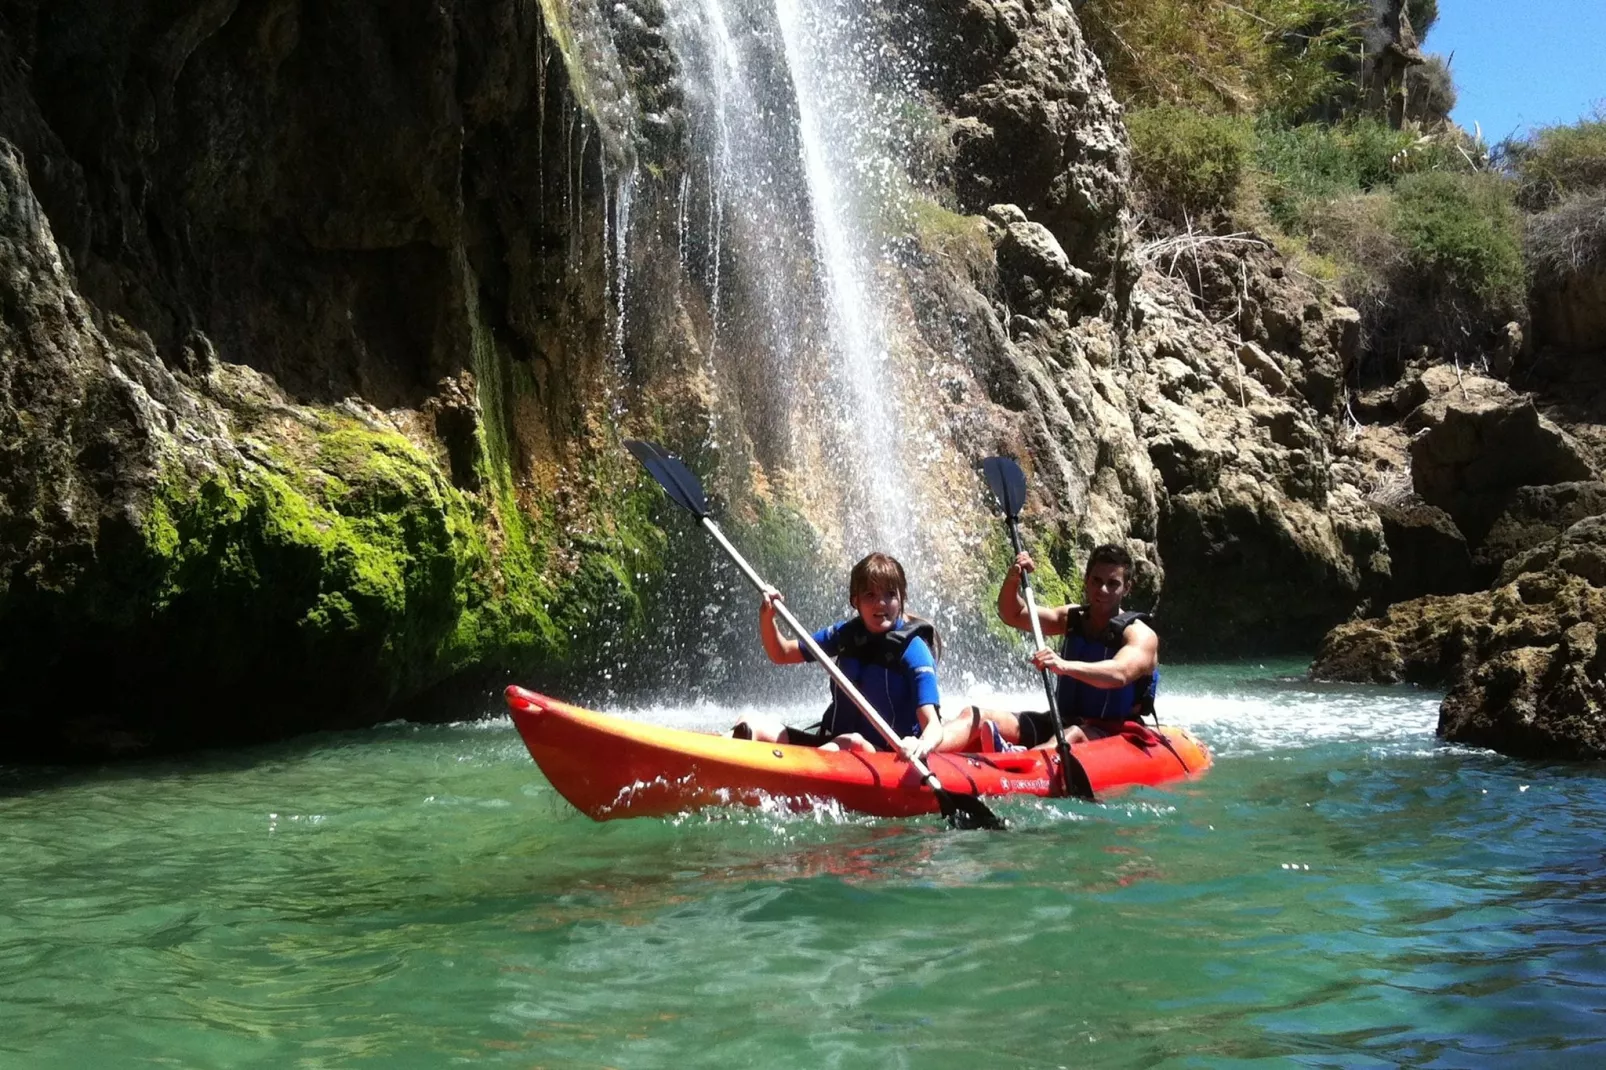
x: 895, y: 671
x: 1080, y: 701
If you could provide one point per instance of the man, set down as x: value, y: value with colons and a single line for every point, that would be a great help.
x: 1107, y: 665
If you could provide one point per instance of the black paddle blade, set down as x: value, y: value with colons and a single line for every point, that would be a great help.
x: 968, y: 812
x: 671, y: 474
x: 1077, y: 785
x: 1008, y: 484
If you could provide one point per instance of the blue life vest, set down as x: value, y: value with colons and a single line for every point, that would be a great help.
x: 895, y: 671
x: 1080, y: 701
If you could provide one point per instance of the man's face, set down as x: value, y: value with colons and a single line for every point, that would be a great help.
x: 1105, y: 586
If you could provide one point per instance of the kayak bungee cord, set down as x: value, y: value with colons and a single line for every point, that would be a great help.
x: 962, y: 810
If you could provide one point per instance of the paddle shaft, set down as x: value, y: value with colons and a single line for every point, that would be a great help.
x: 1067, y: 760
x: 805, y: 637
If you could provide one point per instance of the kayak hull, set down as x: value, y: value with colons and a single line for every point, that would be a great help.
x: 609, y: 767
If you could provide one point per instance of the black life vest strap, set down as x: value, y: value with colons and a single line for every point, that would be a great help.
x: 885, y: 650
x: 1114, y: 634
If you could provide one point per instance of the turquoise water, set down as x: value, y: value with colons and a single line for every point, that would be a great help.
x: 1341, y: 890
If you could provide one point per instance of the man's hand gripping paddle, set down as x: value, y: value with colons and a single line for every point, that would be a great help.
x: 1008, y: 484
x: 962, y: 810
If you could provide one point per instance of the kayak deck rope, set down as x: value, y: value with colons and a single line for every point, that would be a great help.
x: 1141, y: 735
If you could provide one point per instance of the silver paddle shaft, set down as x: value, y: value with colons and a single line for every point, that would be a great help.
x: 1031, y: 611
x: 805, y: 637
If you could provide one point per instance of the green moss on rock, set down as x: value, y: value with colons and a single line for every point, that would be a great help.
x: 361, y: 550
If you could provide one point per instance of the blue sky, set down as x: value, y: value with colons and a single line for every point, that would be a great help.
x: 1521, y: 64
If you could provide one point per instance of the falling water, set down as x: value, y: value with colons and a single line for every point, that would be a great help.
x: 788, y: 135
x: 832, y: 94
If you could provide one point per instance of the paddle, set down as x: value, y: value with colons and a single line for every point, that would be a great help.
x: 1008, y: 484
x: 961, y: 810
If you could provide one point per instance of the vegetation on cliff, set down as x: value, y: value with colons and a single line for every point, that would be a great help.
x: 1279, y: 118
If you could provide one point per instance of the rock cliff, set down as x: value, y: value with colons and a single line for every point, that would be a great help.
x: 323, y: 323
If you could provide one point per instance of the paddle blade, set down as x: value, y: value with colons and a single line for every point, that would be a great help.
x: 1077, y: 785
x: 968, y: 812
x: 1008, y: 484
x: 671, y: 474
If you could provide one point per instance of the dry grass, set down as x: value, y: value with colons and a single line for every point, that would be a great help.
x: 1567, y: 241
x: 1243, y: 57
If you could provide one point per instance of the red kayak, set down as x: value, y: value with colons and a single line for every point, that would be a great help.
x: 609, y: 767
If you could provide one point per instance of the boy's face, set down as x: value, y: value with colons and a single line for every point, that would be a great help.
x: 880, y: 607
x: 1105, y: 585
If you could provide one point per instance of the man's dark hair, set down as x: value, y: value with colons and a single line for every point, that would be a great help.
x: 1110, y: 554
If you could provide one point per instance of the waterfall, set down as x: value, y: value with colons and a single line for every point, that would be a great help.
x: 784, y: 196
x: 833, y: 121
x: 787, y: 135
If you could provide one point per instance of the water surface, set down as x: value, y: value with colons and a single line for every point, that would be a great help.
x: 1341, y: 890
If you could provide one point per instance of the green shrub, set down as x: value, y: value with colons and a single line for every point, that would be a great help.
x: 1462, y: 234
x: 1558, y: 161
x: 1313, y: 163
x: 1435, y: 260
x: 1188, y: 165
x: 1423, y: 14
x: 1304, y: 167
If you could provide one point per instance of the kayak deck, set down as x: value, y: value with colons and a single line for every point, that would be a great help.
x: 609, y: 767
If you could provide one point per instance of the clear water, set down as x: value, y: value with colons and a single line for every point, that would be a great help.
x: 1341, y: 890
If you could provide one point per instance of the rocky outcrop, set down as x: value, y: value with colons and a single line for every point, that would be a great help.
x: 299, y: 356
x: 1524, y: 670
x: 1032, y: 123
x: 1477, y: 441
x: 1427, y: 552
x: 1255, y: 502
x: 235, y: 565
x: 1565, y: 248
x: 1535, y: 516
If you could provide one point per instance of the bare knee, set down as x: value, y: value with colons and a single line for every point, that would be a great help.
x: 852, y: 741
x: 1008, y: 724
x: 964, y: 732
x: 762, y: 729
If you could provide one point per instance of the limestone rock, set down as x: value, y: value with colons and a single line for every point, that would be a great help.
x: 1427, y: 552
x: 1036, y: 273
x: 1250, y: 486
x: 1033, y: 123
x: 1578, y: 551
x: 1478, y: 442
x: 1537, y: 687
x: 1425, y: 641
x: 1523, y: 667
x: 1533, y: 517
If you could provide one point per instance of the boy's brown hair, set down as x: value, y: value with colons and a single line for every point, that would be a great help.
x: 878, y: 571
x: 1109, y: 554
